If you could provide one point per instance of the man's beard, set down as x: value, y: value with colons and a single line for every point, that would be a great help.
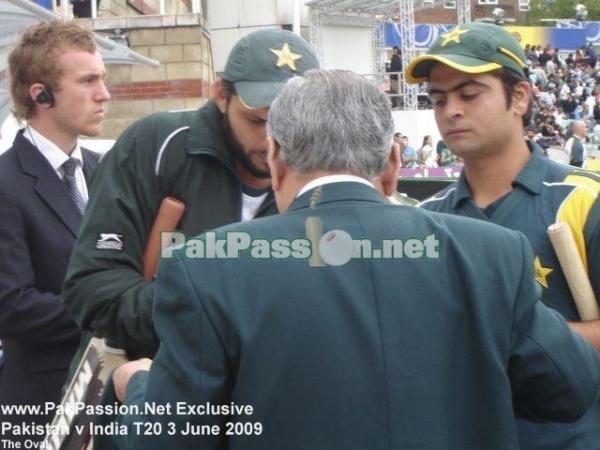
x: 238, y: 151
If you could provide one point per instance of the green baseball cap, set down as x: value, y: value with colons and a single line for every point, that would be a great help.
x: 474, y: 47
x: 262, y: 61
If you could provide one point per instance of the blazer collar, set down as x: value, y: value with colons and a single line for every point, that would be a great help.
x: 48, y: 184
x: 337, y: 192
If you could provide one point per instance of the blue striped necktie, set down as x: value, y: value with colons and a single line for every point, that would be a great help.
x: 69, y: 178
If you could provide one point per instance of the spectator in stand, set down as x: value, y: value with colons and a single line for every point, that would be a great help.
x: 551, y: 68
x: 596, y: 111
x: 564, y: 92
x: 532, y: 136
x: 577, y: 88
x: 408, y: 155
x: 590, y: 103
x: 531, y: 54
x: 569, y: 60
x: 591, y: 53
x: 547, y: 97
x: 588, y: 55
x: 542, y: 78
x: 569, y: 106
x: 427, y: 154
x: 445, y: 156
x: 544, y: 57
x: 558, y: 61
x: 539, y: 49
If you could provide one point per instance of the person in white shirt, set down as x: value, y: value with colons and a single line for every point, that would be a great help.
x: 58, y: 93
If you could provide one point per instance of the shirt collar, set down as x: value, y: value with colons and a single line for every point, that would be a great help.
x: 55, y: 156
x: 531, y: 177
x: 339, y: 178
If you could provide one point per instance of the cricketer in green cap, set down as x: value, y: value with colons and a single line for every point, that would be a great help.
x: 474, y: 47
x: 262, y: 61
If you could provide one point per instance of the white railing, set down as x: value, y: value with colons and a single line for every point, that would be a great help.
x: 397, y: 97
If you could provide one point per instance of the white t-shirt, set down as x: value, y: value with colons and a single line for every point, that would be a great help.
x: 429, y: 156
x: 250, y: 205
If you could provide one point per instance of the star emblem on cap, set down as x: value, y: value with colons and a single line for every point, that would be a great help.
x: 285, y: 57
x: 541, y: 272
x: 453, y: 36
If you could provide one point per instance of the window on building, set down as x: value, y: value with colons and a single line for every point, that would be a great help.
x: 487, y: 2
x: 523, y: 5
x: 449, y: 5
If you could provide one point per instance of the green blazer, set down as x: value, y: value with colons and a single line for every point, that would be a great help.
x: 433, y: 348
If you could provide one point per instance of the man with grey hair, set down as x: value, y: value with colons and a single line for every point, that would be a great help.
x: 575, y: 147
x: 300, y: 331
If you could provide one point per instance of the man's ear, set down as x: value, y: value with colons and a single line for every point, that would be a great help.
x: 522, y: 96
x: 276, y: 166
x: 220, y: 97
x: 389, y: 176
x: 36, y: 91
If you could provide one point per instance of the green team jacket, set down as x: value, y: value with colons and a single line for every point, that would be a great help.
x: 178, y: 154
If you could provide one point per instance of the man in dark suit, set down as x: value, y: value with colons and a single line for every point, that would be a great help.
x: 58, y: 92
x: 395, y: 69
x: 347, y: 322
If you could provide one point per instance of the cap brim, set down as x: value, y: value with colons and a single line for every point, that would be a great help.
x: 258, y: 94
x: 418, y: 69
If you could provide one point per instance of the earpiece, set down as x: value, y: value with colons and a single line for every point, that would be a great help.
x: 45, y: 96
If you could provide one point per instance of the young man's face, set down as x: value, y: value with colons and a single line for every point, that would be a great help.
x: 471, y: 111
x: 245, y: 132
x: 79, y: 100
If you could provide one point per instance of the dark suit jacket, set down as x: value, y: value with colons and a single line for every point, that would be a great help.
x: 428, y: 350
x: 38, y: 226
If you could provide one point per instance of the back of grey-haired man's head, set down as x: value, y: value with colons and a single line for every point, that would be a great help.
x: 332, y: 120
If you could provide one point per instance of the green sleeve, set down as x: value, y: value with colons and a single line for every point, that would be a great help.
x: 592, y: 245
x: 554, y: 372
x: 105, y: 290
x: 190, y: 368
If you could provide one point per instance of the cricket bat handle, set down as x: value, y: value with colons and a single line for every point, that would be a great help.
x: 570, y: 261
x: 169, y: 214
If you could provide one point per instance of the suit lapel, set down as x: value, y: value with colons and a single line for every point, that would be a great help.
x: 48, y: 186
x: 90, y: 162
